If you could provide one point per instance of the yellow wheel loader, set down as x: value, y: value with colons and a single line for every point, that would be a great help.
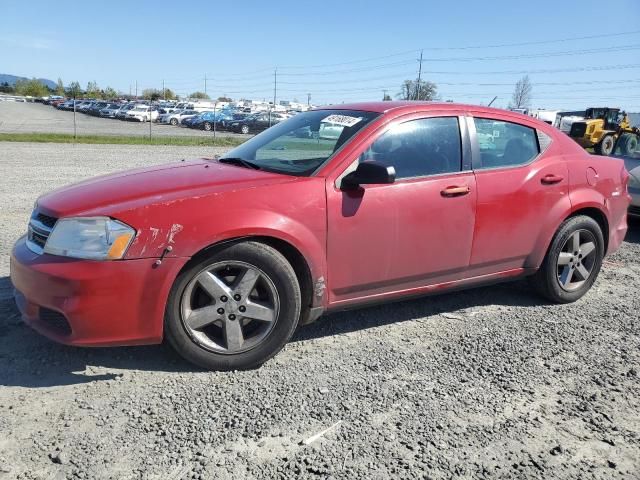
x: 600, y: 129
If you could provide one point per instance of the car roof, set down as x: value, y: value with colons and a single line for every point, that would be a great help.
x: 384, y: 107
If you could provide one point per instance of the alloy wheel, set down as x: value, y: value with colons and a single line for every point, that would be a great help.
x: 230, y: 307
x: 576, y: 260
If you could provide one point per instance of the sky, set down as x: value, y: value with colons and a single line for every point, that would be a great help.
x: 576, y: 53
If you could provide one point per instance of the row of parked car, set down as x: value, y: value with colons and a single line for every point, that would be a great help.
x: 185, y: 114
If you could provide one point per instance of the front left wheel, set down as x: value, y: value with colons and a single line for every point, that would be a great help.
x: 234, y: 309
x: 605, y: 147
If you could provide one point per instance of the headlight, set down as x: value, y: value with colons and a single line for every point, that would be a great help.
x: 94, y: 238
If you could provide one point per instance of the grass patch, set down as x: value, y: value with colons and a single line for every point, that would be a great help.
x: 122, y: 139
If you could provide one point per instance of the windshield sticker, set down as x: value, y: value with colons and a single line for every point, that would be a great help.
x: 342, y: 120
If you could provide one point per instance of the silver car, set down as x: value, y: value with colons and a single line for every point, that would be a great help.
x: 627, y: 148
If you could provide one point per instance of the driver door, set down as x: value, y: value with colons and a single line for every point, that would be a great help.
x: 418, y: 231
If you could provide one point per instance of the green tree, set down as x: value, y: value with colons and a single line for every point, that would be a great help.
x: 74, y: 90
x: 169, y: 94
x: 60, y: 87
x: 386, y: 97
x: 224, y: 98
x: 92, y: 90
x: 110, y: 93
x: 199, y: 95
x: 410, y: 90
x: 31, y: 88
x: 152, y: 94
x: 6, y: 88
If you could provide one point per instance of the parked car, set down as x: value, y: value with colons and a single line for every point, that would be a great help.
x: 627, y: 148
x: 206, y: 120
x: 142, y: 113
x: 176, y: 117
x: 330, y: 131
x: 56, y: 102
x: 255, y: 123
x: 225, y: 124
x: 67, y: 105
x: 85, y: 106
x: 110, y: 110
x: 215, y: 256
x: 121, y: 114
x: 94, y: 110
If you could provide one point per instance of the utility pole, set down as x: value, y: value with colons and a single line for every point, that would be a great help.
x: 275, y: 92
x: 129, y: 91
x: 205, y: 84
x: 419, y: 77
x: 308, y: 99
x: 164, y: 95
x: 136, y: 89
x: 384, y: 95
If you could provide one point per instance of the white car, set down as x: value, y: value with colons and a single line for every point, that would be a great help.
x: 330, y: 131
x: 142, y: 113
x: 176, y: 117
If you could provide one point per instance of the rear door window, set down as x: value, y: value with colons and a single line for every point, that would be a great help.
x: 505, y: 144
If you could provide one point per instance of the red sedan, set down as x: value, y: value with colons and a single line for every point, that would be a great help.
x: 226, y: 257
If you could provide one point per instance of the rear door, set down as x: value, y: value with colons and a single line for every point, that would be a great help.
x: 522, y: 183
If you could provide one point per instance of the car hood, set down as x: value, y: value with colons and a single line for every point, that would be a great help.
x: 144, y: 187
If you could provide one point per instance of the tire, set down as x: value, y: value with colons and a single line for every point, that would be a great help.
x: 173, y: 121
x: 605, y: 147
x: 244, y: 129
x: 208, y: 343
x: 630, y: 145
x: 548, y: 280
x: 207, y: 126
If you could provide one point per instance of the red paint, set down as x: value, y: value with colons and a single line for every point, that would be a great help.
x: 383, y: 242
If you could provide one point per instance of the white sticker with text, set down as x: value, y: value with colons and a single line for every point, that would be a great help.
x: 343, y: 120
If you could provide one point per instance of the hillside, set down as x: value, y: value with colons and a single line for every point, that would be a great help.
x: 11, y: 80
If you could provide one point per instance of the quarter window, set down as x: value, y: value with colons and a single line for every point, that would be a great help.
x: 428, y: 146
x: 505, y: 144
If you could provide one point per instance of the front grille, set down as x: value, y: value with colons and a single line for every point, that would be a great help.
x: 40, y: 227
x: 578, y: 129
x: 55, y: 321
x: 46, y: 220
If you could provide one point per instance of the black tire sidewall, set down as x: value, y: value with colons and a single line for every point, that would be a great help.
x: 276, y: 267
x: 568, y: 227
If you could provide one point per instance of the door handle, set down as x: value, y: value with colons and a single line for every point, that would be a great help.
x: 455, y: 191
x: 551, y: 179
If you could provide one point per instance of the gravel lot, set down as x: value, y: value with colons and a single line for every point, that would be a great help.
x: 490, y: 383
x: 36, y: 117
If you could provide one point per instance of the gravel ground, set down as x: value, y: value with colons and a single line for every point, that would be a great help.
x: 490, y: 383
x: 36, y: 117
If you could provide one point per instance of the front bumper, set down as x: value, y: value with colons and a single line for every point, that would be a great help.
x: 92, y: 303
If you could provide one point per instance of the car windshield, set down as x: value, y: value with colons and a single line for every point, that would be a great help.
x: 295, y: 147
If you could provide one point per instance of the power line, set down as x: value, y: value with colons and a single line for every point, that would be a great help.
x: 466, y: 47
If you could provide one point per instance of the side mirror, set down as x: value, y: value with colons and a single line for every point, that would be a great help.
x: 368, y: 173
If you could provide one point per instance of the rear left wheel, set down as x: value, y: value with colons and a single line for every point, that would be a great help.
x: 235, y: 309
x: 573, y: 261
x: 207, y: 126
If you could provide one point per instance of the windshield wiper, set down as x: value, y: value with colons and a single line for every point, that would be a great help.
x: 240, y: 162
